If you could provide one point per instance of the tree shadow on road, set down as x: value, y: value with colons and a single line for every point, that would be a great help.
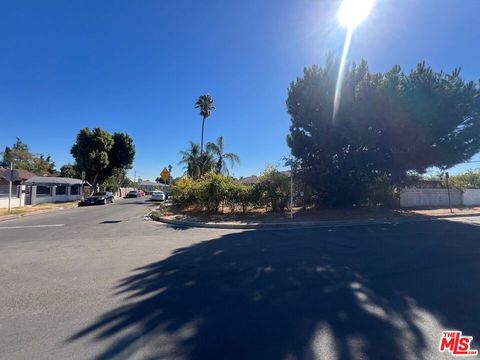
x: 379, y: 292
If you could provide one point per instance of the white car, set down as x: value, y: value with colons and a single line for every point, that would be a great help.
x: 158, y: 196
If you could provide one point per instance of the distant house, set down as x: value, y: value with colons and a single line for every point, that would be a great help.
x: 17, y: 175
x: 249, y: 180
x: 30, y: 189
x: 50, y: 189
x: 253, y: 179
x: 149, y: 186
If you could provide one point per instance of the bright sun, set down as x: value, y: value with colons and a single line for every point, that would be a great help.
x: 353, y: 12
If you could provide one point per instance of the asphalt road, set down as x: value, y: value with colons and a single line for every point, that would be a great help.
x: 102, y: 283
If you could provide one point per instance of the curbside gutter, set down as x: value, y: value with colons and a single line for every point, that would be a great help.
x: 304, y: 224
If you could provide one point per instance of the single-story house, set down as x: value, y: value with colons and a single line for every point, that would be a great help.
x: 249, y: 180
x: 49, y: 189
x: 253, y: 179
x: 149, y: 186
x: 17, y: 175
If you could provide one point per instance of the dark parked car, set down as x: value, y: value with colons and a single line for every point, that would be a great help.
x: 98, y: 198
x: 133, y: 194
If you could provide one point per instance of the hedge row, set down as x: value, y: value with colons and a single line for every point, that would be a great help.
x: 213, y: 190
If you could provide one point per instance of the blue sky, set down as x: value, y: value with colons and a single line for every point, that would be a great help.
x: 139, y: 66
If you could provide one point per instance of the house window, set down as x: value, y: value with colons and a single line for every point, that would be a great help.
x: 43, y: 191
x: 75, y: 190
x: 61, y: 190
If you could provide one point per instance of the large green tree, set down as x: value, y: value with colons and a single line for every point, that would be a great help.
x: 387, y: 125
x: 22, y: 158
x: 70, y: 171
x: 99, y: 154
x: 116, y: 180
x: 469, y: 179
x: 217, y: 149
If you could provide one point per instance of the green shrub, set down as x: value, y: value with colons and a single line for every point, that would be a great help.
x: 183, y: 191
x: 239, y: 195
x: 272, y: 189
x: 211, y: 191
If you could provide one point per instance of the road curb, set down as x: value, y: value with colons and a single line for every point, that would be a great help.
x: 303, y: 224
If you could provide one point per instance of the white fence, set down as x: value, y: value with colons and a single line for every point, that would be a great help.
x: 15, y: 202
x: 18, y: 197
x: 471, y: 197
x: 412, y: 197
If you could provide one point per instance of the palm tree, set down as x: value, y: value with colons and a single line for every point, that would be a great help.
x: 191, y: 160
x: 217, y: 150
x: 196, y: 163
x: 206, y: 106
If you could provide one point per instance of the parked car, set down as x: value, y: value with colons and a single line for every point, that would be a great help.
x: 158, y: 196
x: 133, y: 194
x: 98, y: 198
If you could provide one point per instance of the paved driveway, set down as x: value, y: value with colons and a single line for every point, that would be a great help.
x: 100, y: 282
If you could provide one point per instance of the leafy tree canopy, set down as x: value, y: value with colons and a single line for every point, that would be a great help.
x: 99, y: 153
x: 70, y: 171
x: 22, y: 158
x: 469, y: 179
x: 386, y: 125
x: 116, y: 180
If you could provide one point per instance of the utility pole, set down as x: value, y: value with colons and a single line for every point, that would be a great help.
x: 448, y: 191
x: 291, y: 188
x: 10, y: 189
x: 83, y: 184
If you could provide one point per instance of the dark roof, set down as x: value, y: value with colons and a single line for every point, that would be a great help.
x: 18, y: 174
x: 52, y: 180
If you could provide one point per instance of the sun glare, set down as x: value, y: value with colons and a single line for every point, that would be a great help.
x: 350, y: 15
x: 353, y: 12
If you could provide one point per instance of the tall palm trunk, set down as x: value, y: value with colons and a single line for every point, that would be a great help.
x: 201, y: 148
x: 201, y: 143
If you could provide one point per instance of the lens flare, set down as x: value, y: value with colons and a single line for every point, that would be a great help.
x: 350, y: 15
x: 353, y: 12
x: 338, y: 86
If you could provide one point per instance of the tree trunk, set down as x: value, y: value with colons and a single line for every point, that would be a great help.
x: 201, y: 149
x: 201, y: 144
x: 94, y: 184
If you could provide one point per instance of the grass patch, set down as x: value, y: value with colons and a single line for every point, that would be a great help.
x: 39, y: 207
